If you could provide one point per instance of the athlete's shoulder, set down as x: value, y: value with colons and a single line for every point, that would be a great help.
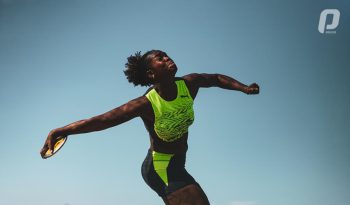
x: 190, y: 76
x: 138, y: 105
x: 138, y: 102
x: 191, y: 79
x: 200, y: 80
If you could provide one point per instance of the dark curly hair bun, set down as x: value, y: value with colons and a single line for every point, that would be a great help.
x: 136, y: 70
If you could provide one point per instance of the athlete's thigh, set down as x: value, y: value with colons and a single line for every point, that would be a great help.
x: 189, y: 195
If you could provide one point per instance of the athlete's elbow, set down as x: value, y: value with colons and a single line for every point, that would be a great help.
x: 216, y: 80
x: 99, y: 123
x: 111, y: 121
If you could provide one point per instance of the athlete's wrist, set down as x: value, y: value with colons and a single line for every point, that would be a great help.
x: 58, y: 132
x: 245, y: 89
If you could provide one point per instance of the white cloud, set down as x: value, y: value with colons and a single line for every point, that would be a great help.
x: 242, y: 203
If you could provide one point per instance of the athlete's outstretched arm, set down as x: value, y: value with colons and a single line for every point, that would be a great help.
x: 205, y: 80
x: 119, y: 115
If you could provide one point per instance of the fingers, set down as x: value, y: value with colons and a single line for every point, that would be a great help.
x: 254, y: 85
x: 49, y: 145
x: 254, y: 88
x: 257, y: 88
x: 44, y: 150
x: 51, y: 140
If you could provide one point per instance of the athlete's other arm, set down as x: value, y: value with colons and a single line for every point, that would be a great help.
x: 119, y: 115
x: 205, y: 80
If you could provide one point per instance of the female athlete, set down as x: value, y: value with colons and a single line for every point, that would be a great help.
x: 167, y: 112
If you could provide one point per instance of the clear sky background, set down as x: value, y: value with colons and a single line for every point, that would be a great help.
x: 62, y: 61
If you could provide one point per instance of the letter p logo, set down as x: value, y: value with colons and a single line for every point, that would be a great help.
x: 323, y: 18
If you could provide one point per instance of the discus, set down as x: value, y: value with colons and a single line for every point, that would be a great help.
x: 58, y: 145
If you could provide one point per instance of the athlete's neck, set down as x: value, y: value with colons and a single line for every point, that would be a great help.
x: 166, y: 89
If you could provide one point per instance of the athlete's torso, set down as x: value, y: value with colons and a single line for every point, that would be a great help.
x: 157, y: 144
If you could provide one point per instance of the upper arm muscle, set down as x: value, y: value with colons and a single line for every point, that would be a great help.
x: 133, y: 108
x: 202, y: 80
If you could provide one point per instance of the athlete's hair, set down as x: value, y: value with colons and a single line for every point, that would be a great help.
x: 137, y: 67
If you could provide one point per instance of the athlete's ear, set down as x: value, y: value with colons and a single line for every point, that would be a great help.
x: 150, y: 74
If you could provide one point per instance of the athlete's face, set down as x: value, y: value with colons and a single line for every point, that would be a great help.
x: 161, y: 67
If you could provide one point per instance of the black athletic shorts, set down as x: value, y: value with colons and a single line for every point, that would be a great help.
x: 165, y: 173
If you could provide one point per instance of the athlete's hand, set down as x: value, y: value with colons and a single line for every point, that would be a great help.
x: 51, y: 139
x: 252, y: 89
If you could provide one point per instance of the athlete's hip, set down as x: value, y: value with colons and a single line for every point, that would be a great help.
x: 165, y: 173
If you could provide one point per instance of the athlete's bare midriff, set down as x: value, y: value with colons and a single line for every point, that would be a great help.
x: 178, y: 146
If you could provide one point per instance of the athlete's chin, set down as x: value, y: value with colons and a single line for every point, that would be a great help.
x: 173, y: 70
x: 173, y: 74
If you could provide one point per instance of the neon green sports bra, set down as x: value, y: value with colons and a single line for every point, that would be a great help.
x: 172, y: 118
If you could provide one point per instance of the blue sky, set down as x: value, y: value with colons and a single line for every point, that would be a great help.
x: 62, y: 61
